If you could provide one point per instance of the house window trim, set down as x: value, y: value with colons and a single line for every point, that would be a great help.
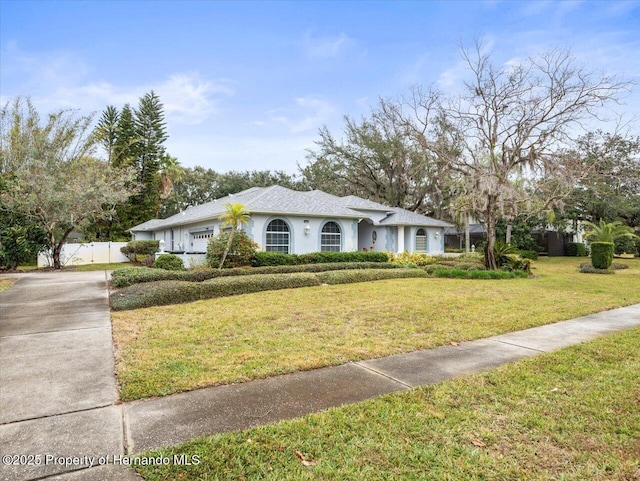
x: 341, y: 234
x: 266, y: 230
x: 426, y: 239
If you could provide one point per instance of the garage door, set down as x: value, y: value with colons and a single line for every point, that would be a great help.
x: 199, y: 241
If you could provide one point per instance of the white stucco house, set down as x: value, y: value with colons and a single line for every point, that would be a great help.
x: 284, y: 220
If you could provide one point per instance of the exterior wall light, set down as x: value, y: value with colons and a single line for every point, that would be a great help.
x: 437, y: 235
x: 307, y: 227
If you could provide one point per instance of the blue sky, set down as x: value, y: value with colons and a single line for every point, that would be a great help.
x: 246, y: 85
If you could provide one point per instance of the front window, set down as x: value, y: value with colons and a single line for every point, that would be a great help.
x: 330, y: 238
x: 421, y: 240
x: 278, y: 237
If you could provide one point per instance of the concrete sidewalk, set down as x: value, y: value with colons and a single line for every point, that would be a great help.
x: 58, y: 393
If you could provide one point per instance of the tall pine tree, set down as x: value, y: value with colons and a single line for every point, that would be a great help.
x: 151, y: 134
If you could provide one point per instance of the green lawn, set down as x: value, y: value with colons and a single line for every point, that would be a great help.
x: 162, y: 350
x: 570, y: 415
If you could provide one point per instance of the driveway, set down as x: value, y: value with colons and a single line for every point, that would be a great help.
x: 58, y: 395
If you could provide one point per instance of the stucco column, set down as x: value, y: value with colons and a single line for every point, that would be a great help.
x: 400, y: 239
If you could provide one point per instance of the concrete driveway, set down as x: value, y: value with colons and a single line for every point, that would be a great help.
x: 58, y: 395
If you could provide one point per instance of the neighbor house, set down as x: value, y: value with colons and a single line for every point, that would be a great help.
x: 285, y: 220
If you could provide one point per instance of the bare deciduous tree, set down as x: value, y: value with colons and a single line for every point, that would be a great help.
x: 514, y: 126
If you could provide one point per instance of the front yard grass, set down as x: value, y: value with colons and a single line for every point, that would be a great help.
x: 570, y: 415
x: 163, y: 350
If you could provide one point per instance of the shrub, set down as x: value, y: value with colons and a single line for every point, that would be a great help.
x: 359, y: 275
x: 140, y: 248
x: 137, y: 275
x: 533, y: 255
x: 589, y: 269
x: 280, y: 259
x: 601, y: 254
x: 477, y: 274
x: 503, y: 252
x: 263, y: 258
x: 625, y: 245
x: 174, y: 292
x: 169, y: 262
x: 576, y: 249
x: 411, y: 258
x: 241, y: 254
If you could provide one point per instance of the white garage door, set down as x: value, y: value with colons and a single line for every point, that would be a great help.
x: 199, y: 241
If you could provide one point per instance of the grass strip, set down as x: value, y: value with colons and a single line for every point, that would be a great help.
x: 571, y: 415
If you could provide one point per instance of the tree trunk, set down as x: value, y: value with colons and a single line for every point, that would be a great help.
x: 489, y: 256
x: 228, y: 248
x: 508, y: 237
x: 467, y: 236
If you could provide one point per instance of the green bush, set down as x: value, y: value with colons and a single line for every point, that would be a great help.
x: 589, y: 269
x: 281, y: 259
x: 411, y: 258
x: 137, y: 275
x: 533, y: 255
x: 503, y: 252
x: 477, y: 274
x: 241, y: 254
x: 140, y: 248
x: 625, y: 245
x: 359, y: 275
x: 174, y: 292
x: 262, y: 258
x: 169, y: 262
x: 576, y: 249
x: 601, y: 254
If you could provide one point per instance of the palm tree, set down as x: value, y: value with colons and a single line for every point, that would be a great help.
x: 607, y: 232
x: 234, y: 216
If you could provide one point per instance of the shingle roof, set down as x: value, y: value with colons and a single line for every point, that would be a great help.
x: 406, y: 217
x: 280, y: 200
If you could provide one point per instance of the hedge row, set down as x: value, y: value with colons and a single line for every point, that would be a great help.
x: 576, y: 249
x: 175, y: 292
x: 280, y: 259
x: 351, y: 276
x: 477, y: 274
x: 137, y: 275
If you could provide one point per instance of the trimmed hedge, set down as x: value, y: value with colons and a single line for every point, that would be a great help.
x: 601, y: 254
x: 136, y: 275
x: 170, y: 262
x: 176, y: 292
x: 576, y: 249
x: 351, y: 276
x: 477, y: 274
x: 280, y: 259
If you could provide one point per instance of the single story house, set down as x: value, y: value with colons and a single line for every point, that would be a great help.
x: 285, y: 220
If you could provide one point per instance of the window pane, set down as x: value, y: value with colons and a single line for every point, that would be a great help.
x: 330, y: 239
x: 277, y: 236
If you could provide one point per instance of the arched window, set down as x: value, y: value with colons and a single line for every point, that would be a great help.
x: 330, y: 238
x: 278, y: 237
x: 421, y: 240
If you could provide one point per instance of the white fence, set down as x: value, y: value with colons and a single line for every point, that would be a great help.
x: 89, y: 253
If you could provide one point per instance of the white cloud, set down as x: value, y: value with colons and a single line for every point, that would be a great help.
x: 61, y: 80
x: 308, y: 114
x: 328, y: 46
